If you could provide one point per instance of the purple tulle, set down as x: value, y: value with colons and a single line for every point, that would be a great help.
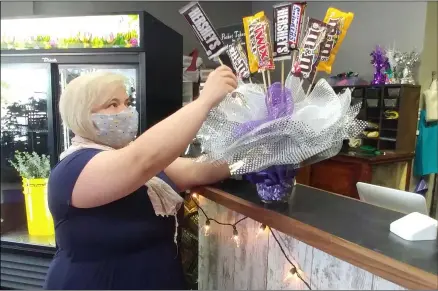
x: 381, y: 64
x: 274, y: 183
x: 279, y: 103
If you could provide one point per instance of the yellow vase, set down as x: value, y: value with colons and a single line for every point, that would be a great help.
x: 39, y: 218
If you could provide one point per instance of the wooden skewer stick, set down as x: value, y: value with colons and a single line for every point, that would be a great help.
x: 264, y: 80
x: 269, y: 78
x: 311, y: 84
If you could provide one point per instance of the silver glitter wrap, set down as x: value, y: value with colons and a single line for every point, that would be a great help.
x: 313, y: 132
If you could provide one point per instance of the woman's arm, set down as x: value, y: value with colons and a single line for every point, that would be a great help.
x: 112, y: 175
x: 186, y: 173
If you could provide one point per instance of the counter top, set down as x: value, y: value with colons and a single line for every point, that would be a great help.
x: 388, y: 157
x: 21, y: 239
x: 346, y: 228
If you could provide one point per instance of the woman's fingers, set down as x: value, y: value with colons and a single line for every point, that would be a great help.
x: 231, y: 82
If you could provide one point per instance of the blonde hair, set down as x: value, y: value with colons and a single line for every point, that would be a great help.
x: 83, y: 94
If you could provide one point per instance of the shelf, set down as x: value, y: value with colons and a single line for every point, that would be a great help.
x: 23, y: 237
x: 402, y: 98
x: 388, y: 139
x: 389, y: 129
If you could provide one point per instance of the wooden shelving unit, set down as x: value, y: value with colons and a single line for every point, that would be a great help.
x: 393, y: 134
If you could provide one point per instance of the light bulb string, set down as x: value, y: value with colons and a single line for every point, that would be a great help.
x: 218, y: 222
x: 287, y: 258
x: 272, y: 232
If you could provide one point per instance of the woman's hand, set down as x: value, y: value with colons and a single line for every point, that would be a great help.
x: 219, y: 83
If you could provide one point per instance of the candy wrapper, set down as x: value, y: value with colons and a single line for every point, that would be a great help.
x: 262, y: 38
x: 203, y: 29
x: 278, y: 132
x: 310, y: 49
x: 251, y: 45
x: 238, y: 59
x: 338, y: 23
x: 282, y: 13
x: 296, y: 24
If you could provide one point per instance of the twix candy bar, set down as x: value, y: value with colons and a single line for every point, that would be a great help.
x: 310, y: 48
x: 251, y: 44
x: 238, y: 59
x: 204, y: 30
x: 338, y: 23
x: 282, y: 13
x: 296, y: 24
x: 263, y: 42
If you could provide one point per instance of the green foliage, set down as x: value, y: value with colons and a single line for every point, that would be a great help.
x: 126, y: 39
x: 31, y: 165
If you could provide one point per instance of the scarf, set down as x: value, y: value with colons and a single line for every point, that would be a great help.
x: 165, y: 201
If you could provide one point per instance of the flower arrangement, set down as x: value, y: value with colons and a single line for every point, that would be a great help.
x: 80, y: 40
x: 116, y: 31
x: 31, y: 165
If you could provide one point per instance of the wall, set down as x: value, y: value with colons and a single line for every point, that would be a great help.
x: 220, y: 13
x: 383, y: 23
x: 429, y: 57
x: 15, y: 8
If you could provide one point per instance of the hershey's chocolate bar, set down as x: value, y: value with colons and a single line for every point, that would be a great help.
x: 203, y: 29
x: 282, y: 18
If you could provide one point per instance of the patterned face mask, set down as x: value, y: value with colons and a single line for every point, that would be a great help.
x: 116, y: 130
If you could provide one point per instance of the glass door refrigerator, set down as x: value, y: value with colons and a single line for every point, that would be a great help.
x: 39, y: 57
x: 144, y: 50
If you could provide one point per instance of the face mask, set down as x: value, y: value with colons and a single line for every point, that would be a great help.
x: 116, y: 130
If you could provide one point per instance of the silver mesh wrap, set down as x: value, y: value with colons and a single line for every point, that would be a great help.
x: 313, y: 132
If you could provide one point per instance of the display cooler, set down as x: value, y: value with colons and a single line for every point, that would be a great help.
x: 39, y: 57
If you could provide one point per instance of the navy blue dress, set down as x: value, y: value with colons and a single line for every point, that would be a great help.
x: 120, y: 245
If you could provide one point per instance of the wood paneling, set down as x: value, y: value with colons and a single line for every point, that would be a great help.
x: 258, y: 263
x: 363, y: 258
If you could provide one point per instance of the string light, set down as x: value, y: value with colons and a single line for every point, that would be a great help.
x: 261, y: 230
x: 207, y: 228
x: 293, y: 271
x: 236, y: 238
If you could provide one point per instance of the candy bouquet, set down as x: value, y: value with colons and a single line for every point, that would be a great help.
x: 266, y: 132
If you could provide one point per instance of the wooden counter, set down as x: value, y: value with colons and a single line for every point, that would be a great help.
x: 351, y: 231
x: 341, y: 173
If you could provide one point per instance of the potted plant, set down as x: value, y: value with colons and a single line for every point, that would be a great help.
x: 34, y: 171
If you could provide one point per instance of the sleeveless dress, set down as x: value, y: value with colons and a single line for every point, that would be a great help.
x: 426, y: 154
x: 120, y: 245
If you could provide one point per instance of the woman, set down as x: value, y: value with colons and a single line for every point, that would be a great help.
x: 112, y: 230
